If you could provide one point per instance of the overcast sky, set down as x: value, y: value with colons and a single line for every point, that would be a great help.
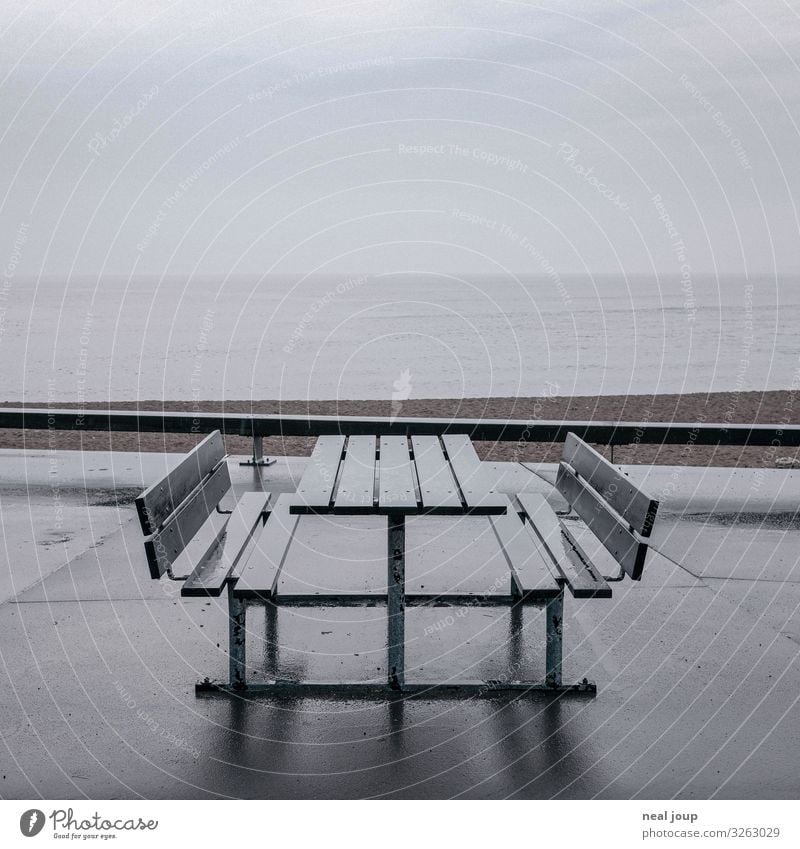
x: 265, y: 137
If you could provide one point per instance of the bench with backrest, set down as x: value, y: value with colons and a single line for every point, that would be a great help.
x: 603, y: 501
x: 186, y: 529
x: 187, y: 540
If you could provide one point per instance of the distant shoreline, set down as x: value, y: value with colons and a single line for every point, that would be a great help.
x: 777, y: 406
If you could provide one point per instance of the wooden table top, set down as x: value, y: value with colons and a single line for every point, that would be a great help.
x: 425, y: 475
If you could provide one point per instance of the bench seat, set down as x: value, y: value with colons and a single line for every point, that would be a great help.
x: 219, y: 564
x: 580, y: 575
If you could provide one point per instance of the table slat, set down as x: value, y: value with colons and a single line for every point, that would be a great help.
x: 437, y: 486
x: 470, y: 475
x: 396, y: 490
x: 319, y: 478
x: 357, y: 484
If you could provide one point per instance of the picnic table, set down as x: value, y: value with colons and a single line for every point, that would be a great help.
x: 399, y: 477
x: 395, y: 477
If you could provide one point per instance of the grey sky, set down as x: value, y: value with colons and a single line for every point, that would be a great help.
x: 245, y: 137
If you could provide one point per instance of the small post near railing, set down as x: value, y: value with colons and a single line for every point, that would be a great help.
x: 258, y: 458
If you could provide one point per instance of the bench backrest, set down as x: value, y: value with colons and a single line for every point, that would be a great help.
x: 617, y: 512
x: 172, y: 510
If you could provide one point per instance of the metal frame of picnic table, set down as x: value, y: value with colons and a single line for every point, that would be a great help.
x: 315, y: 497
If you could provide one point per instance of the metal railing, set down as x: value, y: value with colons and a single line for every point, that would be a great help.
x: 258, y: 426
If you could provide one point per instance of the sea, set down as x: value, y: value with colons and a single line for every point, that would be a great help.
x: 394, y: 336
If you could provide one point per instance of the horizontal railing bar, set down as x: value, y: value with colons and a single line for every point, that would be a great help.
x: 500, y: 430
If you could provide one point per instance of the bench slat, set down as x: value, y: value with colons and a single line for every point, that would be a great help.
x: 628, y: 550
x: 259, y: 575
x: 635, y: 506
x: 582, y: 579
x: 529, y: 569
x: 396, y: 491
x: 211, y: 573
x: 157, y: 502
x: 319, y: 478
x: 164, y: 546
x: 356, y: 490
x: 470, y: 475
x: 437, y: 486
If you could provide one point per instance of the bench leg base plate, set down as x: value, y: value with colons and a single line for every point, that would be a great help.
x: 298, y: 689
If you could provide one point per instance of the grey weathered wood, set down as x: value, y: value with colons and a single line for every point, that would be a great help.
x: 447, y: 559
x: 316, y: 486
x: 259, y: 575
x: 437, y: 486
x: 159, y: 501
x: 635, y: 506
x: 396, y: 489
x: 335, y: 560
x: 530, y: 572
x: 212, y: 572
x: 625, y: 546
x: 470, y: 476
x: 582, y: 579
x: 356, y: 489
x: 164, y: 546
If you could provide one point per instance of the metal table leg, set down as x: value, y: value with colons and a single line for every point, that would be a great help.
x: 396, y: 602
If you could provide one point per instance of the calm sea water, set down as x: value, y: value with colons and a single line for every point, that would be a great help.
x: 402, y: 336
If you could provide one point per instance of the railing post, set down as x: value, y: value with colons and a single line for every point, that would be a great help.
x: 258, y: 458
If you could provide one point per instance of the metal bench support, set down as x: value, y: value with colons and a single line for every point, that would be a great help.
x: 396, y: 686
x: 258, y: 458
x: 237, y: 635
x: 554, y: 639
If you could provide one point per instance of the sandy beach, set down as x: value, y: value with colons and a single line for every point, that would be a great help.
x: 730, y: 407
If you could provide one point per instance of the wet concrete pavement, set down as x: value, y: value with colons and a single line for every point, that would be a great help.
x: 697, y: 666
